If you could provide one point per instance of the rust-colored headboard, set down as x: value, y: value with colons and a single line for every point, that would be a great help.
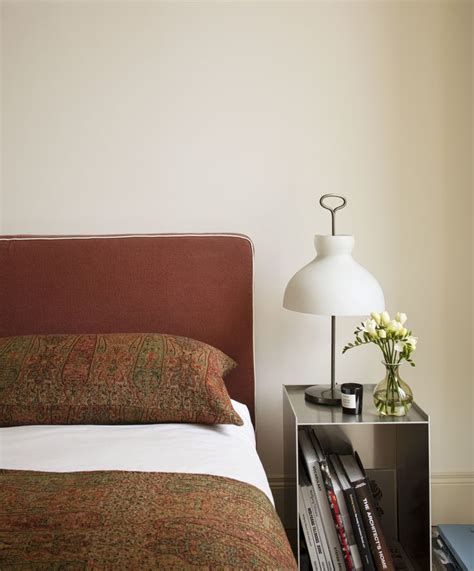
x: 198, y: 286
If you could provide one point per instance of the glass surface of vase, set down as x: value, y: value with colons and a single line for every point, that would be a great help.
x: 392, y: 396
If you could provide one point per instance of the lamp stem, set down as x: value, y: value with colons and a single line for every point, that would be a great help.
x: 327, y: 394
x: 333, y: 353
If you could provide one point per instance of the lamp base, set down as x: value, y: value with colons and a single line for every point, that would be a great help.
x: 323, y: 394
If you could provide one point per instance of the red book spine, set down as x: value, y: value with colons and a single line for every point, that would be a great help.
x: 341, y: 534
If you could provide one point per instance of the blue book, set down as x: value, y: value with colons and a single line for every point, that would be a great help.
x: 460, y: 541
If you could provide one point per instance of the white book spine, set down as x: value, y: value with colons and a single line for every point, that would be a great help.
x: 314, y: 470
x: 320, y: 541
x: 308, y: 532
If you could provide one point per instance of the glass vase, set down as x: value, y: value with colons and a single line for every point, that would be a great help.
x: 392, y: 396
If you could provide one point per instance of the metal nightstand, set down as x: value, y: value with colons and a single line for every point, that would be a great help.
x: 400, y: 445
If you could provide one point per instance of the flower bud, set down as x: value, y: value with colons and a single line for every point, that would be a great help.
x: 382, y: 333
x: 370, y: 327
x: 376, y: 317
x: 385, y: 318
x: 395, y: 326
x: 401, y: 317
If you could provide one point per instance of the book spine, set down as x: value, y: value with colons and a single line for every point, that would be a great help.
x: 314, y: 472
x: 378, y: 545
x: 359, y: 530
x: 328, y: 524
x: 337, y: 517
x: 346, y: 522
x: 308, y: 533
x: 316, y: 525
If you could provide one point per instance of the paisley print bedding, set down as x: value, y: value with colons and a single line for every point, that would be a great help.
x: 112, y: 379
x: 137, y: 520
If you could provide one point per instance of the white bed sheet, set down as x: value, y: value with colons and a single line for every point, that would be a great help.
x: 219, y: 450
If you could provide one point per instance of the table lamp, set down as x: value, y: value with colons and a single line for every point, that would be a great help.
x: 333, y: 284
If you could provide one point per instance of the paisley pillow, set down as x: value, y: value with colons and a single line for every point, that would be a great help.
x: 112, y: 379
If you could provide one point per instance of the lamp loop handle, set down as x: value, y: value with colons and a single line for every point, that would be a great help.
x: 333, y: 209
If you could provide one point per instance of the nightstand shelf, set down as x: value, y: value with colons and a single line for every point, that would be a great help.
x: 396, y: 449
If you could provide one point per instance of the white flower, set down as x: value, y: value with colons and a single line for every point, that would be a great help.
x: 395, y: 326
x: 376, y: 317
x: 401, y: 318
x: 385, y: 318
x: 394, y: 340
x: 370, y: 327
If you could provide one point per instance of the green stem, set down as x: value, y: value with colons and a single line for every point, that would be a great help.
x: 392, y: 395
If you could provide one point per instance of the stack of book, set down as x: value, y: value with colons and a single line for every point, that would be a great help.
x: 337, y: 511
x: 453, y: 547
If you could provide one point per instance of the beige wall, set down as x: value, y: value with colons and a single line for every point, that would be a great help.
x: 175, y: 117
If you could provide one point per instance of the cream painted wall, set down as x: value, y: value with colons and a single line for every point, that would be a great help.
x: 179, y: 117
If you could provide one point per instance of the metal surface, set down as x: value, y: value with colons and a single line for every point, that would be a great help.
x: 413, y: 482
x: 323, y: 394
x: 390, y: 444
x: 334, y: 209
x: 291, y: 500
x: 333, y: 351
x: 309, y: 413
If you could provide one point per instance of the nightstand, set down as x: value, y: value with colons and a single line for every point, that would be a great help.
x: 394, y: 450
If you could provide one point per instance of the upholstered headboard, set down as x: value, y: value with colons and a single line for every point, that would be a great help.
x: 198, y: 286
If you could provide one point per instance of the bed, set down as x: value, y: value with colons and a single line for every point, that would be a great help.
x: 116, y: 493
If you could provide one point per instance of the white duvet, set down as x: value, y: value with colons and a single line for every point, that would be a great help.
x: 220, y: 450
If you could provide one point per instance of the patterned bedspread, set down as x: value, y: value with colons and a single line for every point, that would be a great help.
x: 137, y: 521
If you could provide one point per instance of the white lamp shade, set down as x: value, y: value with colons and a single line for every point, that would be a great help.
x: 334, y: 283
